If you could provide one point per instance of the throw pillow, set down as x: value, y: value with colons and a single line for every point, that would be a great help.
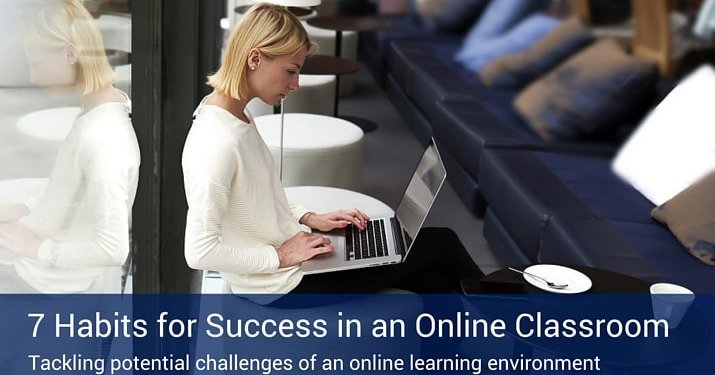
x: 448, y: 15
x: 522, y: 36
x: 675, y: 145
x: 499, y: 17
x: 691, y: 218
x: 520, y: 68
x: 587, y: 95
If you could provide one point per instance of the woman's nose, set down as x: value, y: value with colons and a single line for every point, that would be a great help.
x: 294, y: 83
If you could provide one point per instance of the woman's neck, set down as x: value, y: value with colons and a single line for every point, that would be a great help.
x: 234, y: 106
x: 104, y: 95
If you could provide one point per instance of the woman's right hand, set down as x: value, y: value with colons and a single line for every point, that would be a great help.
x: 13, y: 212
x: 302, y: 247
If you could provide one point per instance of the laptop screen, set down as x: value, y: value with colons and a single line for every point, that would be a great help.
x: 420, y: 194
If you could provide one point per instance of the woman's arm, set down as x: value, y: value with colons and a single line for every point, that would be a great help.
x: 210, y: 165
x: 204, y: 245
x: 104, y: 189
x: 108, y: 243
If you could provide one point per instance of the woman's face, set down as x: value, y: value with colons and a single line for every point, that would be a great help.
x: 51, y: 66
x: 272, y: 79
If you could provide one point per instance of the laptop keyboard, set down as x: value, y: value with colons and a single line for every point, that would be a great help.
x: 368, y: 243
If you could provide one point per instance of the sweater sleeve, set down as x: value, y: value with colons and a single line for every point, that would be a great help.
x: 207, y: 176
x: 107, y: 191
x: 296, y: 210
x: 108, y: 244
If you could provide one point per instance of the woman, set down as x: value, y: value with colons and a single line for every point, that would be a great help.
x: 239, y: 221
x: 76, y: 237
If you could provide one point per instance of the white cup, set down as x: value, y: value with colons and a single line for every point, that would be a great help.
x: 670, y: 302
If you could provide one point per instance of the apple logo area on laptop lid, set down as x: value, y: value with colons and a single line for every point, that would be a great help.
x: 421, y: 193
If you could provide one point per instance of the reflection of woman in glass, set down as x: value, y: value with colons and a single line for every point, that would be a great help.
x: 76, y: 237
x: 239, y: 220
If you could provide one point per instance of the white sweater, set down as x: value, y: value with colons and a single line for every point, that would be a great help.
x: 85, y: 210
x: 238, y: 211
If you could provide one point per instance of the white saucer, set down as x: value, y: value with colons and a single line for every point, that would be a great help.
x: 577, y: 281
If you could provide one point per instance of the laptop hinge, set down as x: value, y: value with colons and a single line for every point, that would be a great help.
x: 397, y: 235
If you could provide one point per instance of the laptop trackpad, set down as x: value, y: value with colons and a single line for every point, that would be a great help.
x: 331, y: 259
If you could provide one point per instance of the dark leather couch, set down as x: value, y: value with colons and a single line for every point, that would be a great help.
x: 543, y: 202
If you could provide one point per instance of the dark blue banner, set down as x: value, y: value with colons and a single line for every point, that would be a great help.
x: 356, y: 334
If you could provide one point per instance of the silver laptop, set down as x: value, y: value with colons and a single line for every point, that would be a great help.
x: 386, y: 240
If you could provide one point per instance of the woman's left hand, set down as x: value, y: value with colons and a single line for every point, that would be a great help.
x: 18, y: 238
x: 337, y: 219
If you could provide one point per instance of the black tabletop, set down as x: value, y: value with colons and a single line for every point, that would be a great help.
x: 116, y: 57
x: 332, y: 65
x: 346, y: 23
x: 686, y: 342
x: 603, y: 281
x: 297, y: 11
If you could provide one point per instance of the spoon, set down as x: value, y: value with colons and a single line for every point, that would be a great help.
x: 549, y: 283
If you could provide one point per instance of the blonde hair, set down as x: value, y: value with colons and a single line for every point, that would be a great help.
x: 271, y: 29
x: 66, y: 22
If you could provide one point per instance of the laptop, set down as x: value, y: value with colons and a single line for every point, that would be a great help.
x: 386, y: 240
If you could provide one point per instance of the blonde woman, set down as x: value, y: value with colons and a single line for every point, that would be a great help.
x: 76, y: 237
x: 239, y: 221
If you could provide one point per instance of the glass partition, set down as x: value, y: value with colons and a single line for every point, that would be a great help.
x: 70, y: 159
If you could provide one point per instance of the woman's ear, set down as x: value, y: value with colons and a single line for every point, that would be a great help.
x: 71, y: 53
x: 254, y: 59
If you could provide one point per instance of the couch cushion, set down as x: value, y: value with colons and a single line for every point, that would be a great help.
x: 596, y: 243
x: 565, y: 208
x: 449, y: 15
x: 468, y: 127
x: 427, y: 73
x: 646, y: 251
x: 526, y: 188
x: 588, y: 94
x: 666, y: 255
x: 523, y: 67
x: 675, y: 145
x: 524, y: 194
x: 590, y: 179
x: 499, y: 17
x: 691, y: 218
x: 425, y: 77
x: 477, y: 53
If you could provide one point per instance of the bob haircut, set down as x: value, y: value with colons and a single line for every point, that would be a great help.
x: 271, y: 29
x: 65, y: 22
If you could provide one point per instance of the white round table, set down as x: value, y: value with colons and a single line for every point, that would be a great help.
x: 325, y: 199
x: 317, y: 150
x: 48, y: 124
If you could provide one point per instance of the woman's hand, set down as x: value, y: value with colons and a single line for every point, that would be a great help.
x: 336, y: 219
x: 19, y: 239
x: 13, y: 212
x: 302, y: 247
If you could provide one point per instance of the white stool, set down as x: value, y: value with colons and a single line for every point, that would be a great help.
x: 326, y: 46
x: 48, y: 124
x: 326, y: 199
x: 316, y: 95
x: 318, y: 150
